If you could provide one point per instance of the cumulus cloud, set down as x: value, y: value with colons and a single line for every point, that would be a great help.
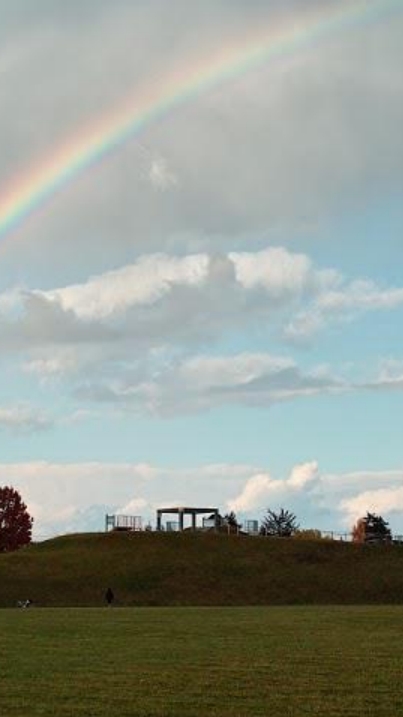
x: 131, y: 336
x: 143, y: 283
x: 332, y: 501
x: 275, y: 269
x: 256, y: 492
x: 303, y: 475
x: 350, y: 495
x: 164, y: 298
x: 260, y: 489
x: 382, y: 501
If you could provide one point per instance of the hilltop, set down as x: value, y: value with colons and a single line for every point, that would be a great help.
x: 200, y: 569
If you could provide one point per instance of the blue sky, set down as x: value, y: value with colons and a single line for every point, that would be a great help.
x: 213, y: 315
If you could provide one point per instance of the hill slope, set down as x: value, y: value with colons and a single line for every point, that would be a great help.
x: 201, y: 569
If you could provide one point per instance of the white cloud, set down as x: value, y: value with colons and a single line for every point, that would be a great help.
x: 303, y: 475
x: 382, y: 501
x: 204, y: 372
x: 257, y: 490
x: 262, y: 488
x: 160, y: 176
x: 134, y: 507
x: 58, y: 365
x: 276, y: 270
x: 131, y: 336
x: 329, y: 297
x: 343, y: 303
x: 23, y: 418
x: 204, y: 382
x: 352, y: 494
x: 173, y: 301
x: 145, y: 282
x: 360, y: 295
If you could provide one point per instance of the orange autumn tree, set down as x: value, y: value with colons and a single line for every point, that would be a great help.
x: 358, y: 532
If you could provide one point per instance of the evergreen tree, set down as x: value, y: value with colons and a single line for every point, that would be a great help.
x: 372, y: 529
x: 281, y: 525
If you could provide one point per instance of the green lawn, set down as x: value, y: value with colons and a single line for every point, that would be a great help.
x: 202, y: 661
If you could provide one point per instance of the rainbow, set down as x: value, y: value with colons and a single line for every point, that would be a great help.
x: 30, y: 192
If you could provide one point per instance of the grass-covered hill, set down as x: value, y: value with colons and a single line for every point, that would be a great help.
x: 200, y: 569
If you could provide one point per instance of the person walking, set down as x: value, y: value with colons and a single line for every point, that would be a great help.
x: 109, y: 596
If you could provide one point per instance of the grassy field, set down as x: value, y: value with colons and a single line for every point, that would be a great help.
x: 165, y: 662
x: 178, y: 570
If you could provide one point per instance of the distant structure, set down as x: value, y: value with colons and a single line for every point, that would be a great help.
x: 181, y: 512
x: 251, y: 527
x: 132, y: 523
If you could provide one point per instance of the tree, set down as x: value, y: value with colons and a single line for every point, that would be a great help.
x: 281, y: 525
x: 230, y: 520
x: 226, y: 523
x: 15, y: 521
x: 358, y: 532
x: 371, y: 529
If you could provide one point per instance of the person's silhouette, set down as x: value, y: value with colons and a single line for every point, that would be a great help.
x: 109, y: 596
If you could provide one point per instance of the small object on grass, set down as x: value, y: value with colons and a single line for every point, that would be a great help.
x: 24, y: 603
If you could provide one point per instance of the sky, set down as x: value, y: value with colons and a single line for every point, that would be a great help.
x: 201, y: 295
